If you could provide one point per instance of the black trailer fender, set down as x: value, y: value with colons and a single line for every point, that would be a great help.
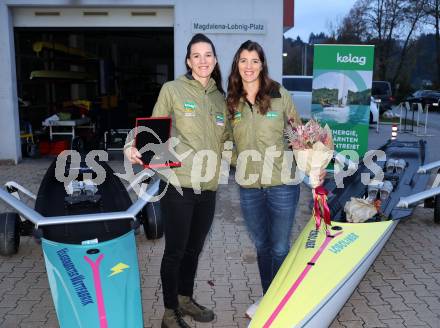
x: 437, y: 209
x: 152, y: 220
x: 9, y: 233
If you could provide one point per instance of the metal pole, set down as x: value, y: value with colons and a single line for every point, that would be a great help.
x: 428, y: 167
x: 418, y: 120
x: 400, y: 117
x: 378, y: 117
x: 426, y: 119
x: 15, y: 185
x: 412, y: 122
x: 305, y: 64
x: 405, y: 202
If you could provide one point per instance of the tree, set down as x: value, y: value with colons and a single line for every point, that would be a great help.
x: 432, y: 10
x: 384, y: 19
x: 292, y: 63
x: 353, y: 28
x: 390, y: 25
x: 414, y: 13
x: 423, y: 57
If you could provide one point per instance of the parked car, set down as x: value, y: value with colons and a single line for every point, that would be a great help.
x: 381, y: 90
x: 300, y: 89
x: 425, y: 97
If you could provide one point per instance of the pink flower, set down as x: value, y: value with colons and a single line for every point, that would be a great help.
x: 305, y: 136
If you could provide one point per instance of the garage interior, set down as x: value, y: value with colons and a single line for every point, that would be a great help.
x: 101, y: 79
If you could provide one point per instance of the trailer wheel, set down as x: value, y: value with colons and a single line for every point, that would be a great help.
x: 152, y: 221
x: 437, y: 209
x: 9, y: 233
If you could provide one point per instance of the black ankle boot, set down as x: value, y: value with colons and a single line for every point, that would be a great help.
x: 172, y: 318
x: 188, y: 306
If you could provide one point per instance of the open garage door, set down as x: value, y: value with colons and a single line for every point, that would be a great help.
x: 109, y: 73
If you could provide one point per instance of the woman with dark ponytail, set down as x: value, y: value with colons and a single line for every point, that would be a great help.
x: 216, y: 75
x: 196, y: 104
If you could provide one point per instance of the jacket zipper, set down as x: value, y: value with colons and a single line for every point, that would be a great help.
x: 208, y: 114
x: 254, y: 143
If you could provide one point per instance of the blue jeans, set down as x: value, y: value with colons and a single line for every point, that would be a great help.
x: 269, y: 214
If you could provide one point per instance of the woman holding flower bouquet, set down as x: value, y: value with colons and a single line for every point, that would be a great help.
x: 259, y: 111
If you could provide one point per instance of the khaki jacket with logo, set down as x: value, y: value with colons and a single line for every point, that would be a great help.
x: 262, y: 133
x: 198, y: 118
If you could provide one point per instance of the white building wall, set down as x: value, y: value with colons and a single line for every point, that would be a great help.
x: 10, y: 148
x: 186, y: 12
x: 269, y: 12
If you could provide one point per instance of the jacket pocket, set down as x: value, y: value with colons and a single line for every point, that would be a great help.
x: 272, y: 126
x: 187, y: 122
x: 219, y: 121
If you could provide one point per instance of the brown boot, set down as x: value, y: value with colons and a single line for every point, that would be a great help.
x: 188, y: 306
x: 172, y: 318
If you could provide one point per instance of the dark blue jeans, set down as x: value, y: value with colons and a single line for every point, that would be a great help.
x: 269, y: 214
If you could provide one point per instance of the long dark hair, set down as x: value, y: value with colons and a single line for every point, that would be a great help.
x: 216, y: 74
x: 235, y: 84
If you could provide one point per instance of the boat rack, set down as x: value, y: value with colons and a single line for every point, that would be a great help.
x: 410, y: 187
x: 38, y: 220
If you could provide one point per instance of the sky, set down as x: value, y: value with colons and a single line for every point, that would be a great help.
x: 315, y: 16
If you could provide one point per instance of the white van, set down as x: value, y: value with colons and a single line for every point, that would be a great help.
x: 300, y: 89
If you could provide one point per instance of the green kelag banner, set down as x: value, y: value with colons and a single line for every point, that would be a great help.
x: 341, y: 95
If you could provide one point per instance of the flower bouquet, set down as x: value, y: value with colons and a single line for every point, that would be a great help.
x: 312, y: 147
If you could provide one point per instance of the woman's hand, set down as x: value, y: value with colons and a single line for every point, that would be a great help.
x: 322, y: 176
x: 133, y: 155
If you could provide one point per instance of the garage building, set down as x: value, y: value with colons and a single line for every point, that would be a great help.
x: 106, y: 60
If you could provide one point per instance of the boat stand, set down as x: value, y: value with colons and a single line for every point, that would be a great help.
x: 419, y: 112
x: 406, y: 107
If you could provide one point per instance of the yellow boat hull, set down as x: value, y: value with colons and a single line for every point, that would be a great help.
x: 320, y: 273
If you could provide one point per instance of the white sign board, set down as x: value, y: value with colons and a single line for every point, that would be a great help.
x: 230, y: 27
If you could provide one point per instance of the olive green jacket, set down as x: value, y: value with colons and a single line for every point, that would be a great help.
x: 265, y: 135
x: 198, y: 118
